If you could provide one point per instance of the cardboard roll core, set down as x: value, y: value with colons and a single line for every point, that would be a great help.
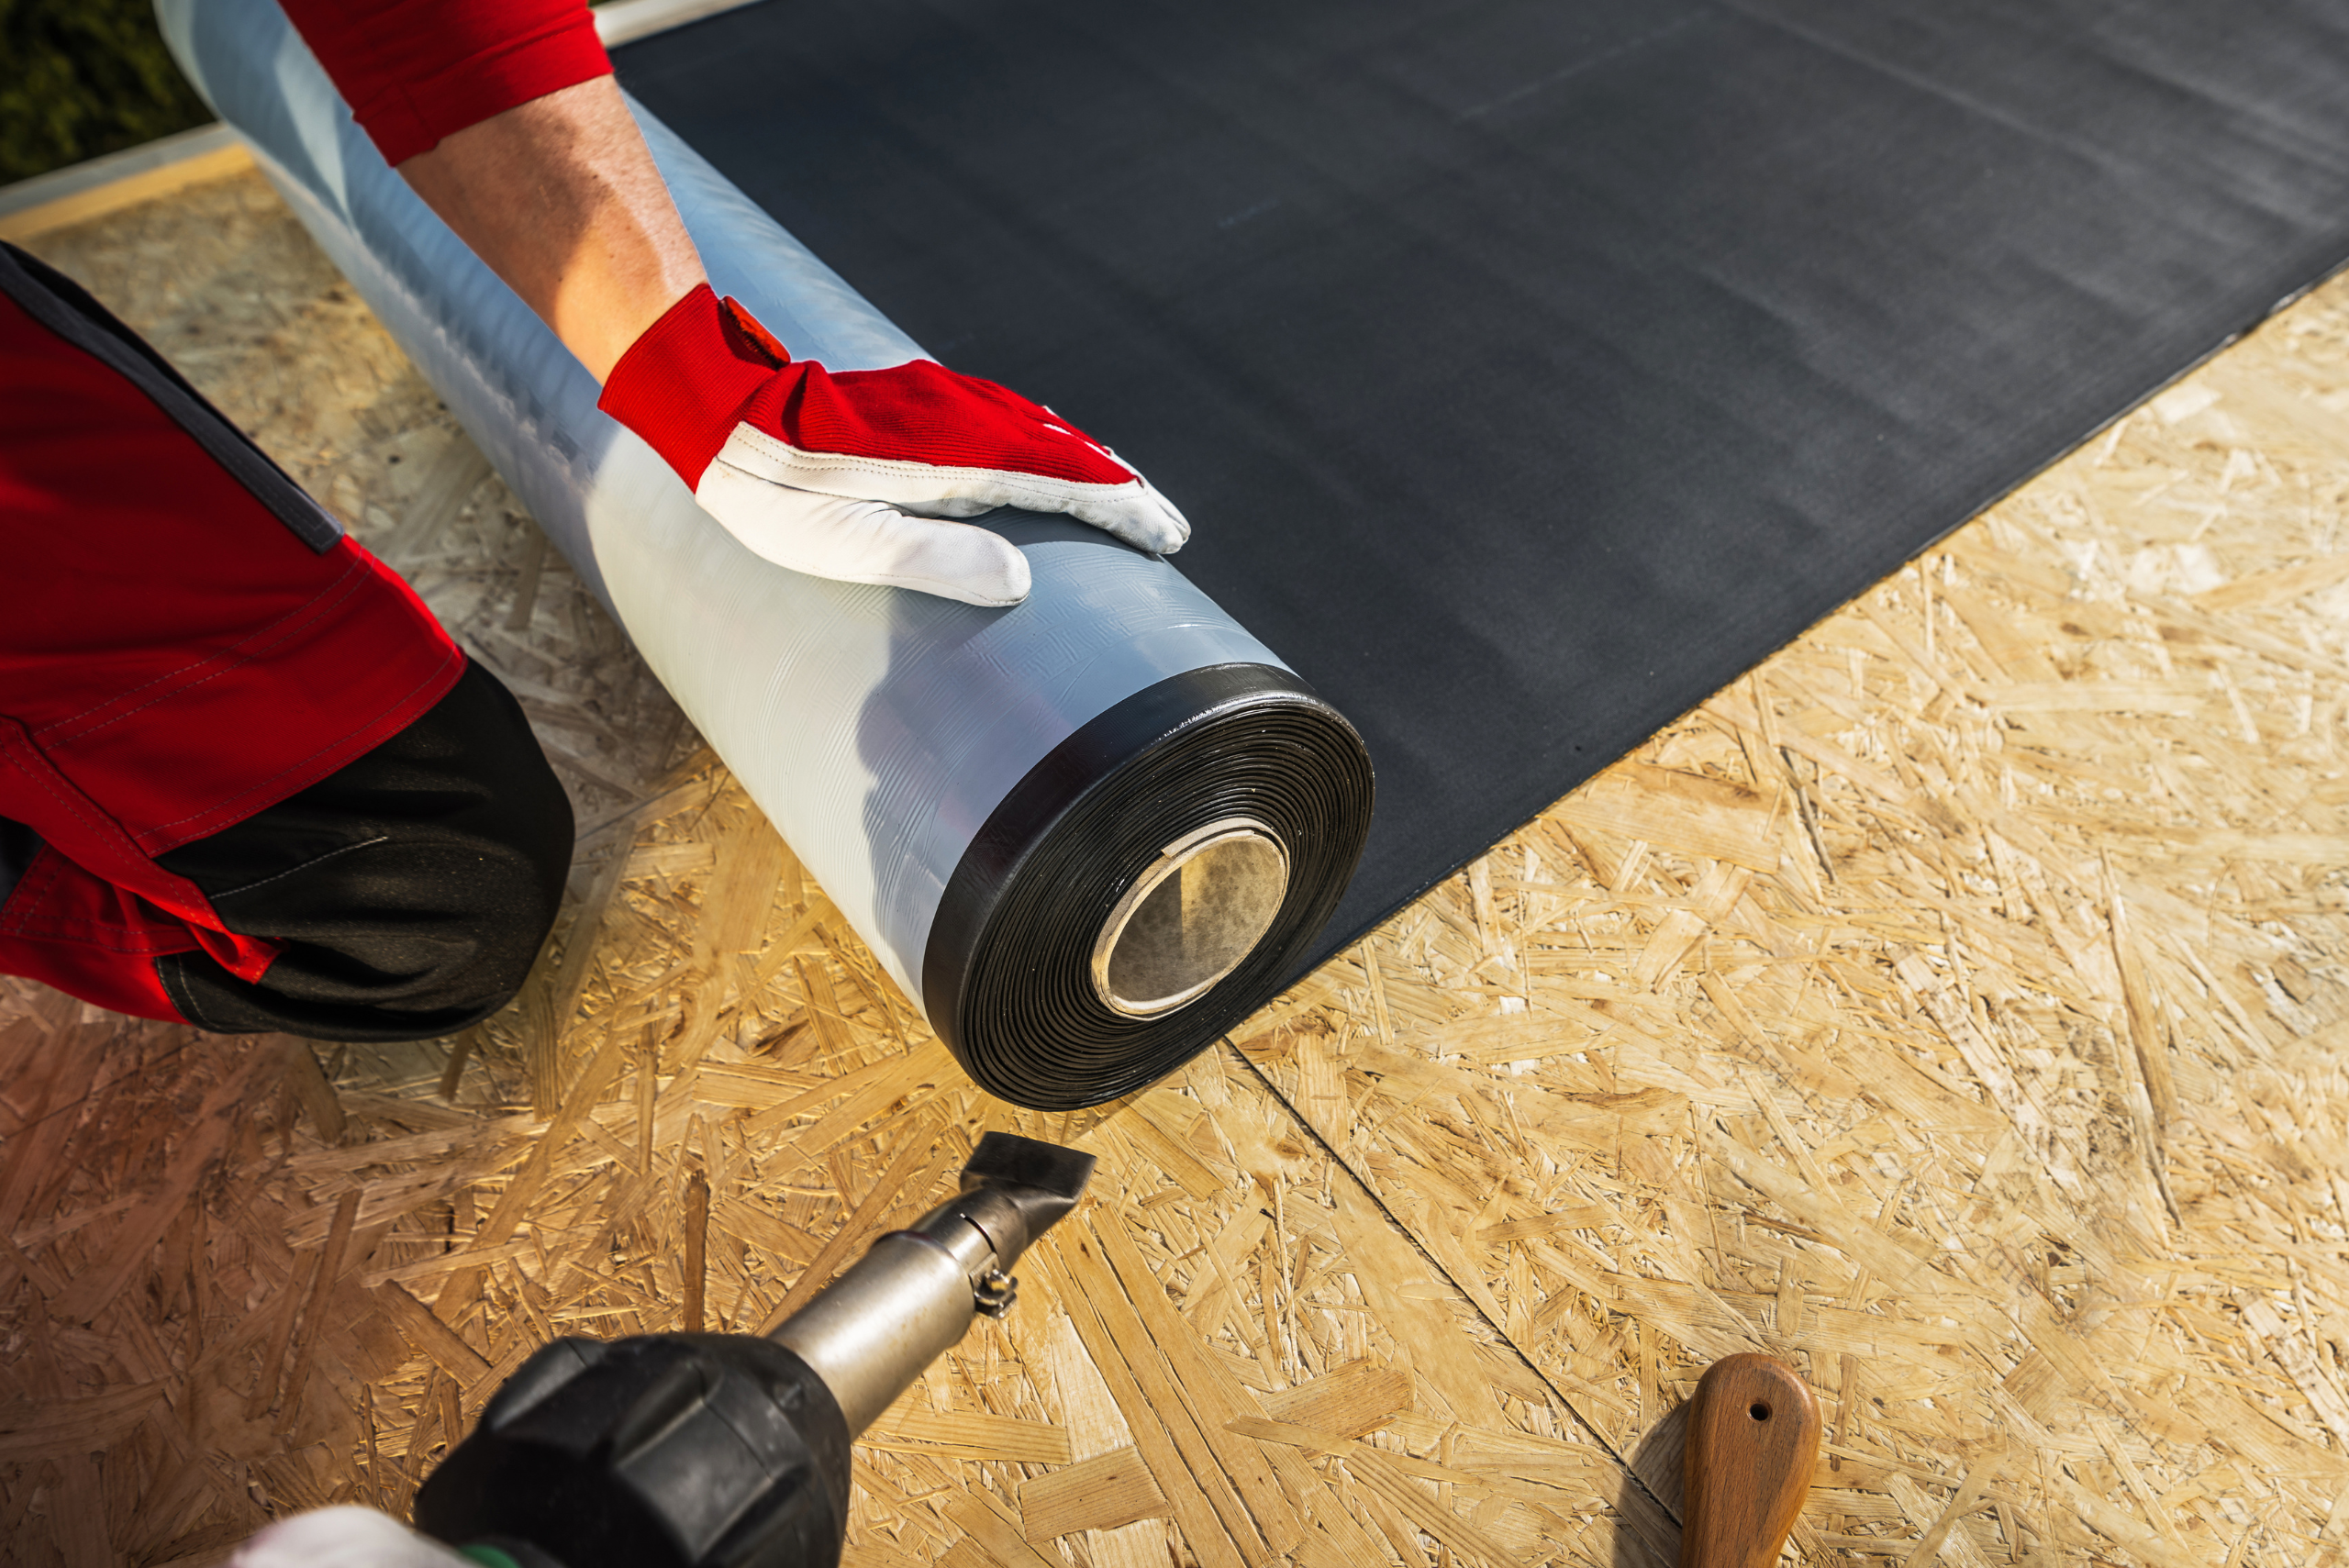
x: 1190, y: 920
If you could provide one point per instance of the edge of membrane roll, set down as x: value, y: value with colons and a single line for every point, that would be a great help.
x: 1027, y: 813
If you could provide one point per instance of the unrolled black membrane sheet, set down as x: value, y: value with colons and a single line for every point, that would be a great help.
x: 1531, y: 368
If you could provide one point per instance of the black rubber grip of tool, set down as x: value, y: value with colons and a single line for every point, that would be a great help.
x: 668, y: 1451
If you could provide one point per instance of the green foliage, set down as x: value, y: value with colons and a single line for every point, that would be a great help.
x: 83, y: 77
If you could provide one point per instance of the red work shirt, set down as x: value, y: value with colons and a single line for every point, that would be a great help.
x: 416, y: 71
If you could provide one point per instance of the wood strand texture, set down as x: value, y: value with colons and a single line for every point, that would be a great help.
x: 1955, y: 1009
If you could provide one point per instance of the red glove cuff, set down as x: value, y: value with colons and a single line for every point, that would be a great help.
x: 416, y: 71
x: 708, y: 365
x: 683, y: 384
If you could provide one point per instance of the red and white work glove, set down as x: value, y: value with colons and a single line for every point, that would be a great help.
x: 848, y: 476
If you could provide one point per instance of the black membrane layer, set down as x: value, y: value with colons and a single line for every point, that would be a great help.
x: 1531, y: 368
x: 1008, y: 977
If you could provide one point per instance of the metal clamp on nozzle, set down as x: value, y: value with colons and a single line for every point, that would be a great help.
x: 870, y: 1332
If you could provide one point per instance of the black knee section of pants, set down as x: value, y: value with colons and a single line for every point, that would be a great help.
x: 412, y: 888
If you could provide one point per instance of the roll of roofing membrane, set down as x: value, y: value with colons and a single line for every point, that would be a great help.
x: 1087, y: 833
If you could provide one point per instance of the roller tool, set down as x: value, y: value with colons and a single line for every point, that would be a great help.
x: 1753, y: 1432
x: 732, y: 1450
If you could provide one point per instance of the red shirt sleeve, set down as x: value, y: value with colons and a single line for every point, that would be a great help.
x: 416, y: 71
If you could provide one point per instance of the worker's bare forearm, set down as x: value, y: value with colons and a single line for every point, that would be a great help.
x: 560, y: 196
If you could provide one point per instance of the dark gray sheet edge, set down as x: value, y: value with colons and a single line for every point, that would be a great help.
x: 1856, y: 272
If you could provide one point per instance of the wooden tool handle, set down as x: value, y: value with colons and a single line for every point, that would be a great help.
x: 1753, y: 1442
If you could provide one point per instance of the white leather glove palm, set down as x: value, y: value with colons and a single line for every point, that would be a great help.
x: 344, y: 1537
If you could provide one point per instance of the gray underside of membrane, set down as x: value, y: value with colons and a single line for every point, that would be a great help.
x: 877, y: 728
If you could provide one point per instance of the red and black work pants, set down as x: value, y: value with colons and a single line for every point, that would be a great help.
x: 246, y: 779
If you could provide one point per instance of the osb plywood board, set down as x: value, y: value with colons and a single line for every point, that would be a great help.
x: 1953, y: 1007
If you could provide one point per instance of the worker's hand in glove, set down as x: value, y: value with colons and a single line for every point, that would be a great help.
x: 346, y: 1537
x: 847, y: 475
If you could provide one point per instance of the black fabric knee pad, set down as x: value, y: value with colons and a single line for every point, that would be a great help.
x: 412, y: 888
